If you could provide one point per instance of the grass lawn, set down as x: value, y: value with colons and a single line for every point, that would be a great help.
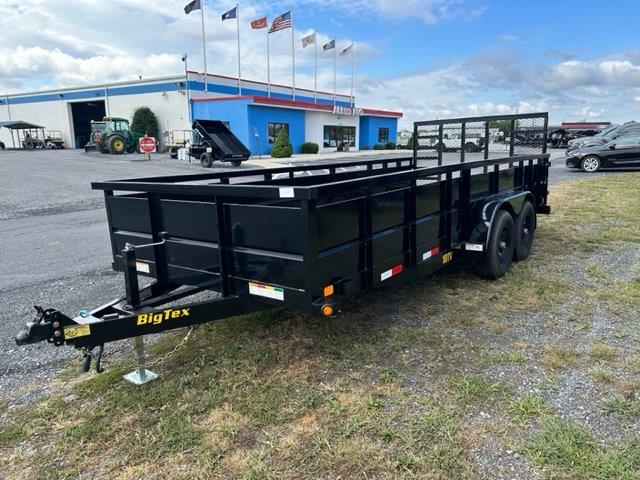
x: 453, y: 377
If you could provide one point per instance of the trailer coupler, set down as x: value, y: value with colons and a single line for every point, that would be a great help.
x: 45, y: 326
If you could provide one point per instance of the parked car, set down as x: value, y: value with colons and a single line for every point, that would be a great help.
x: 560, y: 137
x: 621, y: 153
x: 630, y: 128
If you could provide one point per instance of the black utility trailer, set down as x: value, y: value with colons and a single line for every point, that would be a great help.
x: 216, y: 142
x: 308, y: 237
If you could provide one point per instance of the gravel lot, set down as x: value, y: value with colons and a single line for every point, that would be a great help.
x: 55, y: 249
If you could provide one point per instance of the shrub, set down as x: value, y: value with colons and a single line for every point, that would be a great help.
x: 390, y: 146
x: 144, y: 122
x: 410, y: 142
x: 378, y: 146
x: 309, y: 147
x: 282, y: 146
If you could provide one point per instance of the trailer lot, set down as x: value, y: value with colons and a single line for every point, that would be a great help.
x: 465, y: 366
x: 55, y: 243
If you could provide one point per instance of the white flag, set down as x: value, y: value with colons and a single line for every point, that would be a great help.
x: 347, y: 50
x: 308, y: 40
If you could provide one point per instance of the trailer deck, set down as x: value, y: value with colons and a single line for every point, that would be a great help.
x: 306, y: 238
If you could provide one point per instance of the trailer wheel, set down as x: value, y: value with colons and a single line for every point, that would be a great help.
x: 173, y: 152
x: 206, y: 160
x: 525, y: 227
x: 497, y: 258
x: 236, y: 163
x: 117, y: 145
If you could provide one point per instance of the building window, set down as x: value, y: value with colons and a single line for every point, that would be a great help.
x: 335, y: 136
x: 383, y: 135
x: 274, y: 128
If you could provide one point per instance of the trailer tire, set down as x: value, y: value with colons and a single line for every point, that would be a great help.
x: 471, y: 147
x: 206, y: 160
x: 525, y: 228
x: 117, y: 145
x: 173, y: 152
x: 496, y: 260
x: 236, y: 163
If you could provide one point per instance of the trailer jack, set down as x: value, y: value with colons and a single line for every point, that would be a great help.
x: 140, y: 375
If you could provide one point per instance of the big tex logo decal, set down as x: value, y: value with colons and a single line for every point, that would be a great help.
x: 159, y: 317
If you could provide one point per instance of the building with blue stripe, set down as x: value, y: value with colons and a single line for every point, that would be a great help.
x: 254, y: 111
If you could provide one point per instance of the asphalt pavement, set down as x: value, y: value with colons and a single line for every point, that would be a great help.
x: 55, y: 249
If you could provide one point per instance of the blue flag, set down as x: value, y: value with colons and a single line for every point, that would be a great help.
x: 229, y: 15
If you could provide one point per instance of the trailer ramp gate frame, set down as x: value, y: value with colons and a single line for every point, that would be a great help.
x: 304, y: 237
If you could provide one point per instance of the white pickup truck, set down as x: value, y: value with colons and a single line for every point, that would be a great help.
x: 474, y: 142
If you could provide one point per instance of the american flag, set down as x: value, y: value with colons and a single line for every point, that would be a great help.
x: 281, y: 22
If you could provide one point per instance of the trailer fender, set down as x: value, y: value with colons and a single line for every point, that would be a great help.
x: 483, y: 215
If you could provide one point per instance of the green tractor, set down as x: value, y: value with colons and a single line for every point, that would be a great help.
x: 117, y: 138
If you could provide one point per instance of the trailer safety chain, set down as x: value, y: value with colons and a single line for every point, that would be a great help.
x: 163, y: 358
x: 88, y: 354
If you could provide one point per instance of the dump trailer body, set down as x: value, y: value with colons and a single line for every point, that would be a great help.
x: 218, y: 141
x: 303, y: 238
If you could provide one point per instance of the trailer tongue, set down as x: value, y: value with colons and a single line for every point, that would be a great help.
x: 306, y: 238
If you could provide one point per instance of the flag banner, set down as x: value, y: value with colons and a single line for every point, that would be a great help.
x: 229, y: 15
x: 330, y: 45
x: 308, y: 40
x: 281, y: 22
x: 191, y: 6
x: 259, y: 23
x: 347, y: 50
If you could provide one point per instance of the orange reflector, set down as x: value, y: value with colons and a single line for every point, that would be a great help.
x: 327, y: 310
x: 327, y: 291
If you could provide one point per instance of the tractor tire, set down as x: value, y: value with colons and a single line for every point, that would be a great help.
x: 173, y: 152
x: 525, y: 227
x: 206, y: 160
x: 496, y: 260
x: 117, y: 145
x: 236, y: 163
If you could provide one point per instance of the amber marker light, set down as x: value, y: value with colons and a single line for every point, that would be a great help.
x: 327, y: 310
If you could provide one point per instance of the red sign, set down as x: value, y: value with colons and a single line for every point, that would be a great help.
x: 147, y: 145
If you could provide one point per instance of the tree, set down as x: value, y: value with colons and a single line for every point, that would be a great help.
x: 145, y: 122
x: 282, y: 146
x: 410, y: 142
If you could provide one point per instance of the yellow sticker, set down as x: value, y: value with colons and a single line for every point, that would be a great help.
x: 75, y: 331
x: 447, y: 257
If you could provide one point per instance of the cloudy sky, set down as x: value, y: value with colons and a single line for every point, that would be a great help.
x: 428, y: 58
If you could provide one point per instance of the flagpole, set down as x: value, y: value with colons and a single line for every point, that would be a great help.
x: 335, y: 57
x: 204, y: 46
x: 293, y: 57
x: 353, y: 100
x: 268, y: 66
x: 315, y: 69
x: 238, y: 30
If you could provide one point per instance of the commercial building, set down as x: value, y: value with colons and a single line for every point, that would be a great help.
x: 254, y: 111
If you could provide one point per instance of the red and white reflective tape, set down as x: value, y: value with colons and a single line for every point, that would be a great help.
x: 431, y: 253
x: 390, y: 273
